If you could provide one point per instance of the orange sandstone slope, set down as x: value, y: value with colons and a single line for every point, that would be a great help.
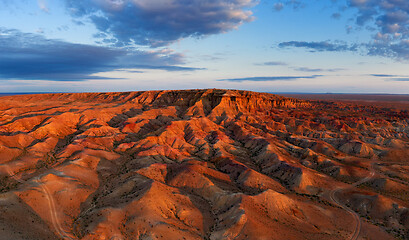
x: 200, y: 164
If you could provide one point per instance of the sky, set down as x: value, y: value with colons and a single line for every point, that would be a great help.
x: 310, y: 46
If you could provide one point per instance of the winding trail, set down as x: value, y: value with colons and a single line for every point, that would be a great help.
x: 51, y: 204
x: 357, y: 230
x: 52, y: 209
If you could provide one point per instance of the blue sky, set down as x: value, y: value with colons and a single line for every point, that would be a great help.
x: 347, y: 46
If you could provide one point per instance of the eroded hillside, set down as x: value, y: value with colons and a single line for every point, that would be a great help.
x: 201, y: 164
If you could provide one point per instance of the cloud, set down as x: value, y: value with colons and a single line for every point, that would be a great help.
x: 165, y: 68
x: 161, y: 22
x: 273, y: 78
x: 400, y: 79
x: 33, y: 57
x: 272, y: 63
x: 336, y: 46
x: 390, y: 16
x: 392, y: 77
x: 300, y: 69
x: 399, y: 50
x: 388, y: 20
x: 295, y: 4
x: 129, y: 71
x: 383, y: 75
x: 306, y: 69
x: 278, y: 6
x: 336, y: 15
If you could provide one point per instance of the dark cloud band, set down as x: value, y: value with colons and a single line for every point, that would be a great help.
x: 33, y: 57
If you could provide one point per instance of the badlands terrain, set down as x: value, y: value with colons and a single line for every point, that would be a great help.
x: 201, y: 164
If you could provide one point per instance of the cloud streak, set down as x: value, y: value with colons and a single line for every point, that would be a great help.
x: 272, y: 63
x: 271, y: 78
x: 337, y: 46
x: 299, y: 69
x: 383, y: 75
x: 406, y: 79
x: 32, y: 57
x: 392, y: 77
x: 161, y: 22
x: 306, y: 69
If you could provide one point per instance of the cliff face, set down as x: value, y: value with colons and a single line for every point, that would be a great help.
x: 199, y: 164
x: 239, y: 100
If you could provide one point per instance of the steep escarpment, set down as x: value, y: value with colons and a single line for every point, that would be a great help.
x: 200, y: 164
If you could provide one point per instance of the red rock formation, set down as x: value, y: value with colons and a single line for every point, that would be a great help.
x: 200, y: 164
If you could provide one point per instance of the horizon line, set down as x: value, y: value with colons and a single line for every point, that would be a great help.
x: 301, y: 93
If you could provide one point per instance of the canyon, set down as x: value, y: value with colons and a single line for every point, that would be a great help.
x: 201, y: 164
